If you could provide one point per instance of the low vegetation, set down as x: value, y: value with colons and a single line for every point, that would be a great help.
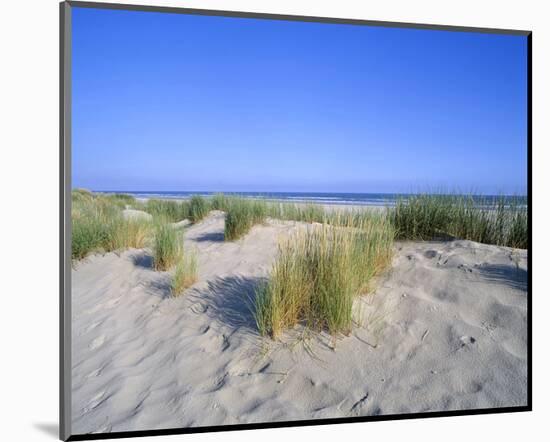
x: 185, y: 274
x: 198, y: 208
x: 167, y: 210
x: 241, y: 215
x: 219, y: 202
x: 320, y: 271
x: 131, y: 233
x: 120, y: 199
x: 500, y: 221
x: 307, y: 212
x: 98, y: 225
x: 167, y: 246
x: 322, y: 268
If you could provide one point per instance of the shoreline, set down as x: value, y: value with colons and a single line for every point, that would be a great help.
x: 486, y: 202
x: 301, y: 203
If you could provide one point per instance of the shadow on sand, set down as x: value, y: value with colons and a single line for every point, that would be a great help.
x: 512, y: 276
x: 230, y: 300
x: 143, y: 260
x: 160, y: 287
x: 209, y: 237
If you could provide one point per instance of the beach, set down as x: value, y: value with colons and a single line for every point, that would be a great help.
x: 444, y: 328
x: 339, y: 228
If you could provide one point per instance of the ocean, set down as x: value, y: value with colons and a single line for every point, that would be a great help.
x: 356, y: 199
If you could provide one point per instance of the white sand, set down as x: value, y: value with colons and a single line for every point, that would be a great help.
x: 446, y: 329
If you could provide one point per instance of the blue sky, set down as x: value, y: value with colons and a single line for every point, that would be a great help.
x: 177, y: 102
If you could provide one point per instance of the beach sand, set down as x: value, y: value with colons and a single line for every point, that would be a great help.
x: 445, y: 329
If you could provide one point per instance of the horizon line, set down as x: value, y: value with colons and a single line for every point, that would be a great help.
x: 305, y: 192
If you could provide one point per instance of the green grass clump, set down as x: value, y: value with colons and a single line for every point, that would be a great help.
x: 311, y: 213
x: 167, y: 246
x: 518, y: 236
x: 98, y: 226
x: 219, y: 202
x: 501, y: 221
x: 185, y: 274
x: 320, y: 271
x: 195, y: 209
x: 121, y: 199
x: 242, y: 215
x: 81, y: 195
x: 421, y: 217
x: 130, y: 233
x: 168, y: 210
x: 307, y: 212
x: 89, y: 235
x: 94, y: 224
x: 198, y: 208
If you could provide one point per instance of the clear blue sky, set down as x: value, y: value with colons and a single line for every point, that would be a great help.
x: 177, y: 102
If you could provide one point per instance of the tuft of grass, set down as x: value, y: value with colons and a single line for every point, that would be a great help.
x: 131, y: 233
x: 95, y: 221
x: 168, y: 210
x: 121, y: 198
x: 421, y: 217
x: 501, y: 221
x: 198, y: 208
x: 242, y: 215
x: 219, y: 202
x: 167, y: 246
x: 320, y: 271
x: 89, y: 235
x: 98, y: 226
x: 307, y: 212
x: 518, y: 236
x: 185, y: 274
x: 80, y: 195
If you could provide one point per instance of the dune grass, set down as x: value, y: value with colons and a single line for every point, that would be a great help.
x: 79, y: 195
x: 219, y: 202
x: 131, y: 233
x: 198, y: 208
x: 498, y: 221
x: 185, y: 274
x: 306, y: 212
x: 167, y: 210
x: 195, y: 209
x: 319, y: 272
x: 120, y: 199
x: 98, y: 226
x: 241, y: 215
x: 89, y: 235
x: 167, y: 245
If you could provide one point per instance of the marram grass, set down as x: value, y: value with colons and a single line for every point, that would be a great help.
x: 241, y: 215
x: 168, y: 210
x: 198, y: 208
x: 501, y: 221
x: 185, y: 274
x: 98, y: 226
x: 219, y: 202
x: 131, y: 233
x: 167, y: 246
x: 319, y: 272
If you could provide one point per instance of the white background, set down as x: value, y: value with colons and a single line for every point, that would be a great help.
x: 29, y: 216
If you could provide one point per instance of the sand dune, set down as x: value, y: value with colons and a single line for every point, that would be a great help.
x: 445, y: 329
